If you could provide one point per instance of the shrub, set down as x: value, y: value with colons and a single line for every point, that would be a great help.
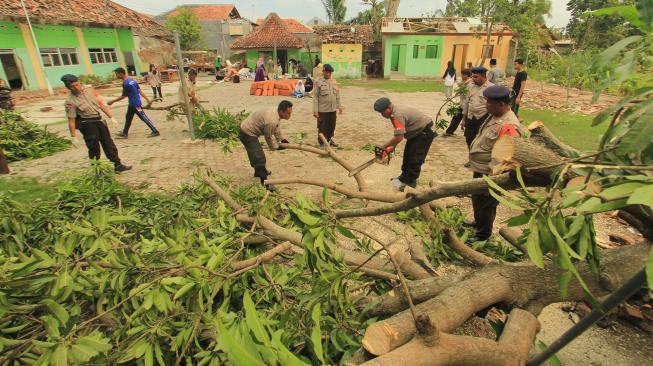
x: 220, y: 125
x: 24, y: 140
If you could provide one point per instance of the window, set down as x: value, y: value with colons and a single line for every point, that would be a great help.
x: 59, y: 57
x: 488, y: 50
x: 432, y: 51
x: 103, y: 55
x: 415, y: 51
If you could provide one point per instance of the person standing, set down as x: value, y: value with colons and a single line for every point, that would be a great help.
x: 519, y: 85
x: 475, y: 110
x: 192, y: 94
x: 494, y: 75
x: 317, y: 61
x: 326, y: 101
x: 264, y: 122
x: 269, y: 67
x: 449, y: 78
x: 133, y: 93
x: 83, y: 107
x: 154, y: 79
x: 463, y: 90
x: 260, y: 70
x: 414, y: 126
x: 502, y: 122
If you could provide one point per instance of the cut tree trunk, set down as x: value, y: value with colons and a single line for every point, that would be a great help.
x: 512, y: 236
x: 536, y: 162
x: 543, y: 136
x: 520, y: 285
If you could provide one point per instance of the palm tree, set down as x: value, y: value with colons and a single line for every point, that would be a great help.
x: 335, y: 10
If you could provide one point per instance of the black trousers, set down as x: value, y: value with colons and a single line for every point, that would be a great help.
x: 453, y: 125
x: 95, y: 134
x: 514, y: 106
x: 156, y: 89
x: 485, y: 211
x: 415, y: 153
x: 472, y: 126
x: 129, y: 117
x: 326, y: 125
x: 255, y: 154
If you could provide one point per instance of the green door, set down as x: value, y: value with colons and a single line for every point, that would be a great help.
x: 398, y: 57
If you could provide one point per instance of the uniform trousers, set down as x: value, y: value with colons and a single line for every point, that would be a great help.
x: 453, y: 125
x: 255, y: 154
x: 96, y: 133
x: 129, y: 117
x: 326, y: 125
x: 485, y: 211
x: 472, y: 126
x: 415, y: 154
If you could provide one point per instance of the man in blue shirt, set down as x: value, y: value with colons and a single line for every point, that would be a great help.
x: 133, y: 93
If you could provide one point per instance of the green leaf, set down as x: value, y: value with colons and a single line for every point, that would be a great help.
x: 238, y: 354
x: 611, y: 52
x: 305, y: 217
x: 533, y: 245
x: 51, y: 326
x: 649, y: 270
x: 60, y: 356
x: 553, y: 360
x: 640, y: 135
x: 628, y: 12
x: 504, y: 201
x: 345, y: 232
x: 286, y: 357
x: 642, y: 196
x: 182, y: 291
x: 253, y: 321
x: 607, y: 113
x: 522, y: 219
x: 316, y: 334
x: 136, y: 350
x: 148, y: 358
x: 58, y: 311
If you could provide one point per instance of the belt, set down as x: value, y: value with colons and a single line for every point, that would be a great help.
x: 92, y: 119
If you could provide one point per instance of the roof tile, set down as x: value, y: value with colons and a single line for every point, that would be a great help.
x: 272, y: 33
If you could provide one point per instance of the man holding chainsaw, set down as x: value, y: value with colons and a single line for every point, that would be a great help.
x: 418, y: 130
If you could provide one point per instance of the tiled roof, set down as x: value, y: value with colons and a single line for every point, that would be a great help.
x: 82, y: 12
x: 210, y: 12
x: 272, y: 33
x: 361, y: 34
x: 293, y: 25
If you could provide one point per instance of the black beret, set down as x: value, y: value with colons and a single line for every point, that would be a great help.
x: 496, y: 92
x: 479, y: 70
x: 328, y: 68
x: 381, y: 104
x: 69, y: 79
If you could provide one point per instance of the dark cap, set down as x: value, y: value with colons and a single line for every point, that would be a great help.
x: 327, y: 68
x: 479, y: 70
x: 381, y: 104
x: 69, y: 79
x: 496, y: 92
x: 120, y: 70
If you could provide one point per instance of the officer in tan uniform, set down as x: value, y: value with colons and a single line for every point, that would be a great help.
x: 502, y: 121
x: 264, y: 122
x: 326, y: 101
x: 474, y: 110
x: 83, y: 108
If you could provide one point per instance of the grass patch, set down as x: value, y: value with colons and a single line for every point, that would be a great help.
x: 572, y: 128
x: 26, y: 190
x: 398, y: 86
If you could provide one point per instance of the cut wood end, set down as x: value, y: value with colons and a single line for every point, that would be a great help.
x: 503, y: 149
x: 378, y: 337
x: 535, y: 125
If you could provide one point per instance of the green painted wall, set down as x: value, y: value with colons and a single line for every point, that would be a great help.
x: 99, y: 37
x: 12, y: 38
x: 55, y: 36
x: 409, y: 65
x: 252, y: 57
x: 10, y: 35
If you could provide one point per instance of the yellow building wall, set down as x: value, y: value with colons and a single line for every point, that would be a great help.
x: 475, y: 48
x: 346, y: 59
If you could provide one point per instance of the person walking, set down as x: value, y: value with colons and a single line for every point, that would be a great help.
x: 83, y: 108
x: 449, y: 78
x: 494, y: 75
x: 502, y: 122
x: 264, y: 122
x: 418, y: 131
x: 463, y: 87
x: 475, y: 110
x: 326, y: 101
x: 133, y: 93
x: 519, y: 85
x: 154, y: 79
x: 192, y: 93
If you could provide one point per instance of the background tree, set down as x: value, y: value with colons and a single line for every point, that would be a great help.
x: 188, y: 26
x: 597, y: 31
x: 336, y: 10
x: 372, y: 16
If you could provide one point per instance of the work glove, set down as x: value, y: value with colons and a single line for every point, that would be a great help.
x: 114, y: 123
x: 75, y: 141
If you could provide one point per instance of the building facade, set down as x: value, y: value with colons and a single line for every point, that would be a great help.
x: 342, y: 48
x: 421, y: 48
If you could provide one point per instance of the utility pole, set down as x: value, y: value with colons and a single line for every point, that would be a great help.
x: 184, y: 87
x: 38, y: 50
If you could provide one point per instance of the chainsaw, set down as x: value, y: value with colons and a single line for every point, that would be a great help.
x: 381, y: 156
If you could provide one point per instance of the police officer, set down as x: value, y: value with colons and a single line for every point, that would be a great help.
x: 264, y: 122
x: 474, y: 110
x: 414, y: 126
x: 326, y: 101
x: 83, y: 108
x: 502, y: 121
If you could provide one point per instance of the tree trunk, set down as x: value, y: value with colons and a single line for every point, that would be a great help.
x: 4, y: 167
x: 520, y: 285
x: 512, y: 236
x: 544, y: 137
x: 538, y: 162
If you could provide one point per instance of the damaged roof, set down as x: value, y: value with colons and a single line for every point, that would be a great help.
x: 356, y: 34
x: 272, y: 33
x: 441, y: 25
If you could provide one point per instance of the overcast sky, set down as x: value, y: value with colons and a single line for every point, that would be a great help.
x: 306, y: 9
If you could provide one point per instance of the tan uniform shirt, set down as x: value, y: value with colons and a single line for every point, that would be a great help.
x: 476, y: 101
x: 408, y: 121
x: 463, y: 98
x: 326, y: 95
x: 83, y: 105
x: 317, y: 72
x: 480, y: 153
x: 264, y: 122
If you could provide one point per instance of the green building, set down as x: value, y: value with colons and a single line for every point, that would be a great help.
x: 90, y: 37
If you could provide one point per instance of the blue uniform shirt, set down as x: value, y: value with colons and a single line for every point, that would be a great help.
x: 130, y: 90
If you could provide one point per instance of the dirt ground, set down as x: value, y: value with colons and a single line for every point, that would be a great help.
x: 165, y: 162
